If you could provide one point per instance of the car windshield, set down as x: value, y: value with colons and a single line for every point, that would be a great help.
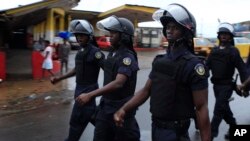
x: 241, y: 40
x: 202, y: 42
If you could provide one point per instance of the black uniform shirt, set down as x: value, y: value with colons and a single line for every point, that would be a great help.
x: 235, y: 61
x: 94, y: 57
x: 194, y: 72
x: 127, y: 64
x: 94, y: 54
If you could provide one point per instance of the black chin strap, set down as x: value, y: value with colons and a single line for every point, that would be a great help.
x: 182, y: 42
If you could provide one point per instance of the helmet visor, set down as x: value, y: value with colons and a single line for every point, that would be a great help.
x: 72, y: 25
x: 176, y: 11
x: 158, y: 14
x: 81, y: 26
x: 87, y: 26
x: 110, y: 23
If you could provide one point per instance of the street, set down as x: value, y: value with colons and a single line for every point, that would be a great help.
x: 51, y: 122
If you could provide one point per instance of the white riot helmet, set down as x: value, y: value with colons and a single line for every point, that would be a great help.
x: 114, y: 23
x: 226, y: 27
x: 178, y: 13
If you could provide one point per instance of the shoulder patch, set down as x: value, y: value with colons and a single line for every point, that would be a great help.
x: 98, y: 55
x: 126, y: 61
x: 200, y: 69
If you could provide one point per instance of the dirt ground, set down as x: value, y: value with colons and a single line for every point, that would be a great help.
x: 23, y: 95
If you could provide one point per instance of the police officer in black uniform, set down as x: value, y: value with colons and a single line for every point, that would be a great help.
x: 120, y: 74
x: 177, y: 83
x: 222, y: 62
x: 88, y: 61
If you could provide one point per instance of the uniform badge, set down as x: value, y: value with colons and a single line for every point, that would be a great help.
x: 199, y: 68
x: 98, y: 55
x: 127, y: 61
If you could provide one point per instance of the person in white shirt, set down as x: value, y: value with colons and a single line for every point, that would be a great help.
x: 47, y: 63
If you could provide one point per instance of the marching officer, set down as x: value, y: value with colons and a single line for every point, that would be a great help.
x: 120, y: 74
x: 177, y: 85
x: 88, y: 61
x: 222, y: 62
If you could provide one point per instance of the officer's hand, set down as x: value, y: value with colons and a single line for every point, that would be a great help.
x: 119, y: 117
x: 240, y: 87
x: 54, y: 80
x: 83, y: 98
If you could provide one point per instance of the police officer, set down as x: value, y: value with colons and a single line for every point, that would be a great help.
x: 120, y: 73
x: 177, y: 84
x: 222, y: 62
x: 88, y: 61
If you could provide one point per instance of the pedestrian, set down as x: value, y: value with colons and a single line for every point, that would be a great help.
x: 39, y: 45
x: 222, y: 62
x: 63, y: 51
x: 88, y: 61
x: 120, y: 74
x: 177, y: 85
x: 47, y: 63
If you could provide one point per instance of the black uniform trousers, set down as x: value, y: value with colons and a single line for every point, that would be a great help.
x: 170, y: 130
x: 81, y: 115
x: 222, y: 109
x: 105, y: 128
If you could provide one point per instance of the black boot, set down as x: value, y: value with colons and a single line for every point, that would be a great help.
x: 227, y: 136
x: 215, y: 126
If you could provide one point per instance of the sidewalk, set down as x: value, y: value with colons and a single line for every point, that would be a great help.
x: 148, y: 49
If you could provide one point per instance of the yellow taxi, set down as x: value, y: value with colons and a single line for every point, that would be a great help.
x: 243, y: 45
x: 202, y: 46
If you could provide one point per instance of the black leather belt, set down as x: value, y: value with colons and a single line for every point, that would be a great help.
x: 169, y: 124
x: 222, y: 82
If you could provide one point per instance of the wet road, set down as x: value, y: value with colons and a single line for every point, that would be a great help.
x: 50, y: 122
